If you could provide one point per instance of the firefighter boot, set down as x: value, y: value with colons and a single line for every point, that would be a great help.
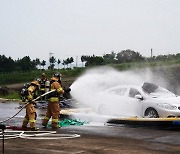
x: 45, y: 122
x: 34, y: 129
x: 25, y: 123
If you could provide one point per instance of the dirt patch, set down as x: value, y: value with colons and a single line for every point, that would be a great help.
x: 15, y: 87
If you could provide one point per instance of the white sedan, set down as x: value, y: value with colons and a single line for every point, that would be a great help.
x: 148, y: 100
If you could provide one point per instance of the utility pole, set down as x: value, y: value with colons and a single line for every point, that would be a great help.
x: 151, y: 53
x: 76, y: 61
x: 50, y: 55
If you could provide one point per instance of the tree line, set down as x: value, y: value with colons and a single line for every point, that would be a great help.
x: 7, y: 64
x: 124, y: 56
x: 25, y: 64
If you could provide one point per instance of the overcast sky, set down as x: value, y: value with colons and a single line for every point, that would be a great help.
x: 85, y: 27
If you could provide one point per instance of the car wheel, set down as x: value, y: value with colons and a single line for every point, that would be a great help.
x: 151, y: 113
x: 103, y: 110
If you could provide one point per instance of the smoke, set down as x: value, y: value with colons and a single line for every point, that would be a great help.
x: 89, y: 88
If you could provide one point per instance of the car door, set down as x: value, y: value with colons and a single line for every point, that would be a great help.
x: 118, y: 101
x: 134, y: 104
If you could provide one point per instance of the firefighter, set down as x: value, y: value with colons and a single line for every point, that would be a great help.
x: 42, y: 83
x: 30, y: 116
x: 53, y: 109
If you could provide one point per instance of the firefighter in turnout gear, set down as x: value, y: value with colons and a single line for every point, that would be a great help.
x: 44, y: 85
x: 30, y: 116
x: 53, y: 109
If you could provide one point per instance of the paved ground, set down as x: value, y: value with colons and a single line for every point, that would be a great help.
x: 85, y: 144
x: 94, y: 138
x: 97, y: 139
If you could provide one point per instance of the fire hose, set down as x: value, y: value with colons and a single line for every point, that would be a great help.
x: 27, y: 104
x: 40, y: 135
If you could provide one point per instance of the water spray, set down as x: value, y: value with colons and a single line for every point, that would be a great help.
x: 97, y: 80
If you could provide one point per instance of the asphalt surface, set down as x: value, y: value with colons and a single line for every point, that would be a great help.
x: 95, y: 137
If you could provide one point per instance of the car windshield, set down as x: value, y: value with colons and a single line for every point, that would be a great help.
x: 156, y: 91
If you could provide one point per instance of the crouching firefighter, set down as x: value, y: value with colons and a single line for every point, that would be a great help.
x: 53, y: 109
x: 31, y: 115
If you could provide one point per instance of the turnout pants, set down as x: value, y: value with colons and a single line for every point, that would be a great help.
x: 30, y: 116
x: 53, y: 111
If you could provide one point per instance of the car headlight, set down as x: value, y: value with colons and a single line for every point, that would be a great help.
x: 167, y: 106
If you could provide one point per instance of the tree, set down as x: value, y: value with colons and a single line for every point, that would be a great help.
x: 83, y: 59
x: 43, y: 63
x: 6, y: 64
x: 25, y: 64
x: 93, y: 60
x: 109, y: 58
x: 64, y: 63
x: 67, y: 61
x: 59, y: 61
x: 37, y: 62
x: 71, y: 60
x: 128, y: 56
x: 52, y: 60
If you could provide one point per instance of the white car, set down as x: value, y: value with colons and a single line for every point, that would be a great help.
x: 148, y: 100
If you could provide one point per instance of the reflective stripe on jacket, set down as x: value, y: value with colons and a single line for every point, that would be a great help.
x: 60, y: 90
x: 54, y: 99
x: 54, y: 120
